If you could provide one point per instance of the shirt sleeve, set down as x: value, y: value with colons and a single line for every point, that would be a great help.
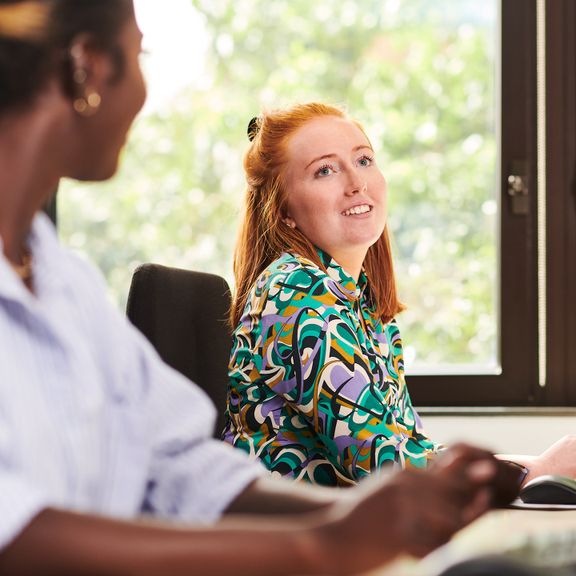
x: 193, y: 477
x: 190, y: 477
x: 20, y: 502
x: 358, y: 406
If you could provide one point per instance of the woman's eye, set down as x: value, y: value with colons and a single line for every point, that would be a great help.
x: 365, y: 161
x: 325, y: 170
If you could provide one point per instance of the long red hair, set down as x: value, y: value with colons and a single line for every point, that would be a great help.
x: 263, y: 236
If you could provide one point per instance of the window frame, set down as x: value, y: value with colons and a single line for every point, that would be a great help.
x: 518, y: 385
x: 561, y: 202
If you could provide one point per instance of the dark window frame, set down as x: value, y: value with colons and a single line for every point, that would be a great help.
x: 518, y: 384
x: 561, y: 202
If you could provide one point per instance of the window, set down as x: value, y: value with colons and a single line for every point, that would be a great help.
x: 448, y: 94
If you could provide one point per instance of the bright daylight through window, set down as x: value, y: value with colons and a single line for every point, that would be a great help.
x: 421, y: 76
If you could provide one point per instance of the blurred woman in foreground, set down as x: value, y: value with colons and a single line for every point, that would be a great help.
x: 95, y: 431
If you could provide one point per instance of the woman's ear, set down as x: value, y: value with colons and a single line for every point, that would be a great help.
x: 90, y: 71
x: 289, y: 222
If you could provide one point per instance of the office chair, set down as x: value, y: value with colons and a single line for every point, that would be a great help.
x: 183, y: 314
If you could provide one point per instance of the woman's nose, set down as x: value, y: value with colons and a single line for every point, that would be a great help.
x: 356, y: 185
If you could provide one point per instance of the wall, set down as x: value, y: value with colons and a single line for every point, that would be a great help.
x: 514, y: 434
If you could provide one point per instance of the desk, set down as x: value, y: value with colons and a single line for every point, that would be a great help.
x: 545, y: 538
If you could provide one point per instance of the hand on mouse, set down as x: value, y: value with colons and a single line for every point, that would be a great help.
x: 409, y: 512
x: 412, y: 511
x: 492, y: 482
x: 559, y: 459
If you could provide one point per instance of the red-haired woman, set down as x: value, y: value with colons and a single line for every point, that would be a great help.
x: 317, y: 388
x: 317, y: 385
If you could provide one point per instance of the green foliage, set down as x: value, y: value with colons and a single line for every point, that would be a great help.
x: 422, y: 85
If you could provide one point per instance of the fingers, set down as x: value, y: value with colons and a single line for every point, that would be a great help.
x: 459, y: 457
x: 413, y: 512
x: 470, y: 467
x: 482, y: 471
x: 477, y: 469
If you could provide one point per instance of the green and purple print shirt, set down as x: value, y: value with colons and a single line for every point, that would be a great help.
x: 317, y: 388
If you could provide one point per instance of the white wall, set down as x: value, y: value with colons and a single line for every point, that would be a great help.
x: 502, y: 434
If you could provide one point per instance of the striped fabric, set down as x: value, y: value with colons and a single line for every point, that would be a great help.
x: 90, y: 418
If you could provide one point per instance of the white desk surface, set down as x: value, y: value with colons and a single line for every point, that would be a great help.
x: 545, y: 538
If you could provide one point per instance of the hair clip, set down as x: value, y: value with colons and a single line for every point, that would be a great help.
x: 253, y: 127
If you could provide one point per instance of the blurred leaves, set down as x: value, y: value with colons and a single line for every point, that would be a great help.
x: 420, y: 76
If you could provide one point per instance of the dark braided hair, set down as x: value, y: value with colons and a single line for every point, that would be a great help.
x: 29, y: 57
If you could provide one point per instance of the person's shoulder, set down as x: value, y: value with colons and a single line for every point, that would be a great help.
x: 391, y: 331
x: 89, y: 277
x: 391, y: 326
x: 292, y: 271
x: 65, y: 262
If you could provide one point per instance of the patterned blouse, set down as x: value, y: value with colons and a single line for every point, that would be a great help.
x: 317, y: 388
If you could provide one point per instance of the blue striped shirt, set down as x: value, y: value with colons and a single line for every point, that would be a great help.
x: 90, y: 418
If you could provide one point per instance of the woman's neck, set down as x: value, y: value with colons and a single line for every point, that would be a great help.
x: 28, y: 176
x: 351, y: 263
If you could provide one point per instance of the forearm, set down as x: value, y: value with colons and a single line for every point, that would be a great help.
x: 558, y: 459
x: 58, y: 543
x: 426, y: 509
x: 280, y: 496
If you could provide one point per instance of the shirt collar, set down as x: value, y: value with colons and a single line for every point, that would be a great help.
x: 46, y: 263
x: 338, y: 274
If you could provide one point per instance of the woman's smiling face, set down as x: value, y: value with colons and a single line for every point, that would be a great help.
x: 336, y: 194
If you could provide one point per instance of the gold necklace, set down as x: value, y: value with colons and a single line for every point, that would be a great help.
x: 24, y: 270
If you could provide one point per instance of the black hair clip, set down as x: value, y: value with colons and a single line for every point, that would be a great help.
x: 253, y: 127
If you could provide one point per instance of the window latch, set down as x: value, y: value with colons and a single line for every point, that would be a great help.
x: 518, y: 190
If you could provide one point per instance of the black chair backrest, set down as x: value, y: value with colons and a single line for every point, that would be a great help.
x: 183, y: 314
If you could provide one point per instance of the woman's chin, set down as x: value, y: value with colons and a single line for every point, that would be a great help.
x: 363, y: 241
x: 96, y: 173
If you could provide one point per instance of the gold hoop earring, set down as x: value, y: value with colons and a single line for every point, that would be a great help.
x: 80, y: 76
x: 87, y: 104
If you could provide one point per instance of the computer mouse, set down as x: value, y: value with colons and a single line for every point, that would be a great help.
x: 549, y: 490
